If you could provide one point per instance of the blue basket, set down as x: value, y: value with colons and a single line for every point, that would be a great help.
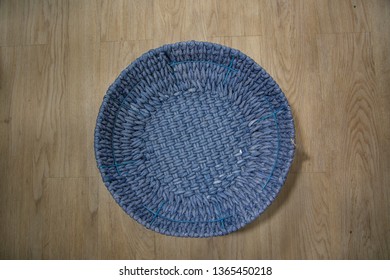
x: 194, y: 139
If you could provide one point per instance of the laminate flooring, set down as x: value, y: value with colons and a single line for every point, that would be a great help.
x: 331, y: 58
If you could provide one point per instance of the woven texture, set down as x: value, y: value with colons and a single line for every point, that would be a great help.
x: 194, y: 139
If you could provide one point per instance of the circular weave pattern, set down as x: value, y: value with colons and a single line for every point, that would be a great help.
x: 194, y: 139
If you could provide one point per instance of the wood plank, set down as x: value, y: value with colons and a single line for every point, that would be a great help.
x: 380, y: 18
x: 24, y: 22
x: 7, y: 76
x: 348, y: 86
x: 233, y: 18
x: 126, y: 20
x: 19, y: 207
x: 340, y: 16
x: 70, y: 228
x: 49, y: 102
x: 175, y: 20
x: 82, y: 80
x: 111, y: 20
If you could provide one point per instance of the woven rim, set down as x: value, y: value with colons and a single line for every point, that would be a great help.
x: 194, y: 139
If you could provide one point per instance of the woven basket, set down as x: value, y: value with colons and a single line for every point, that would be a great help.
x: 194, y: 139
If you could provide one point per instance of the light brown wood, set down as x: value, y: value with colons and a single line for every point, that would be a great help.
x: 331, y: 58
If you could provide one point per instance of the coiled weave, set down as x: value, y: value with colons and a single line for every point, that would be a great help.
x: 194, y: 139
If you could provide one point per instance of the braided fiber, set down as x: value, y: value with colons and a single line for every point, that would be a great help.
x: 194, y: 139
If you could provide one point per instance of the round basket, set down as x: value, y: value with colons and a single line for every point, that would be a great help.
x: 194, y: 139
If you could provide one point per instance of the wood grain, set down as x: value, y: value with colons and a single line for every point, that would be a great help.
x: 70, y: 233
x: 24, y: 22
x: 126, y: 20
x: 331, y: 58
x: 350, y: 56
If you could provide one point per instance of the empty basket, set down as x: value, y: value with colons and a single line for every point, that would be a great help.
x: 194, y: 139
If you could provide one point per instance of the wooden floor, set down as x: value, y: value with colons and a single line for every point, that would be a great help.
x: 331, y: 58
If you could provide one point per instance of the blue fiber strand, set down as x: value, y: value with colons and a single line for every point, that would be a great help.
x: 203, y: 61
x: 277, y: 152
x: 116, y: 164
x: 229, y: 69
x: 187, y: 221
x: 157, y: 213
